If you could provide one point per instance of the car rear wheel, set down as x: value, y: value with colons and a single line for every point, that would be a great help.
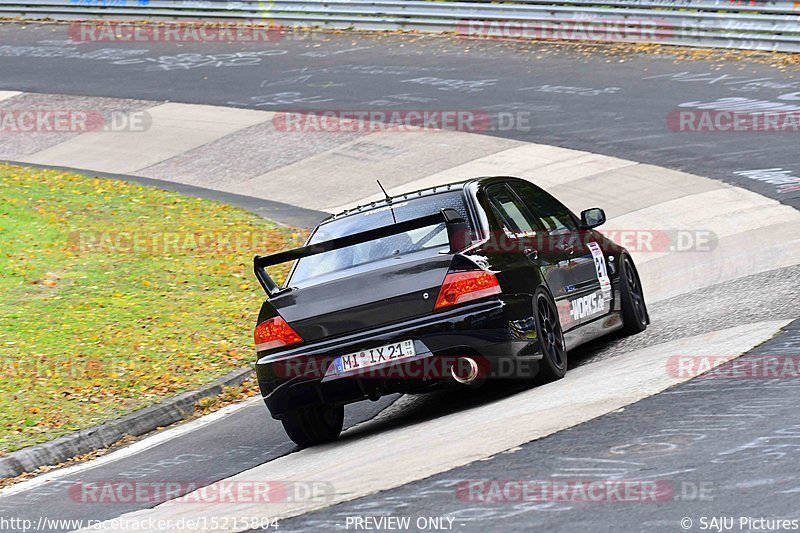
x: 317, y: 424
x: 634, y: 308
x: 553, y: 365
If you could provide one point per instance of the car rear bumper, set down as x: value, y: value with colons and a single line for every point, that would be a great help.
x: 499, y: 331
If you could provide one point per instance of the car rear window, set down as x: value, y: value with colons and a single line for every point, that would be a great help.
x: 338, y: 262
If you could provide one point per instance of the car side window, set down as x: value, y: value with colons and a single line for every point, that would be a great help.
x: 509, y: 209
x: 552, y: 214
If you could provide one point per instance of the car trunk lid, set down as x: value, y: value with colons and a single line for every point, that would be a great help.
x: 384, y: 294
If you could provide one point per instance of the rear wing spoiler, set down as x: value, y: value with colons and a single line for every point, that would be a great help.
x: 457, y: 233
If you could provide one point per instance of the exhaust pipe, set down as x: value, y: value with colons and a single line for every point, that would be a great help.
x: 465, y: 371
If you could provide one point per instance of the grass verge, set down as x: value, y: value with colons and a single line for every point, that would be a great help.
x: 115, y: 296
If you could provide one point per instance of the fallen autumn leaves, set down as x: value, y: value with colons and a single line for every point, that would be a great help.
x: 91, y: 330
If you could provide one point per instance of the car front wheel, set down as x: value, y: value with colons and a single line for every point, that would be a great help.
x: 634, y: 308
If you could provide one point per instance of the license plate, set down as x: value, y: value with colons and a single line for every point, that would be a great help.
x: 374, y: 356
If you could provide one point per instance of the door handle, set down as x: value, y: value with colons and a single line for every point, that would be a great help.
x: 567, y: 248
x: 531, y: 253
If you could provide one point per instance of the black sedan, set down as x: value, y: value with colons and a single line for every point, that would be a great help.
x: 492, y: 278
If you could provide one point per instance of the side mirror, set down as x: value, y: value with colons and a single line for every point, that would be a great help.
x: 591, y: 218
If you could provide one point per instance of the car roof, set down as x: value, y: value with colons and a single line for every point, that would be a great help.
x: 429, y: 191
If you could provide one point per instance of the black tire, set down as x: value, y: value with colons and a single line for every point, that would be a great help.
x: 634, y: 308
x: 317, y: 424
x: 553, y: 365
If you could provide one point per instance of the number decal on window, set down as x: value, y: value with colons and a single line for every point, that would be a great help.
x: 600, y: 268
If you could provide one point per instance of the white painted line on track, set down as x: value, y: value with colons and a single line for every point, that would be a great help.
x: 137, y: 447
x: 4, y: 95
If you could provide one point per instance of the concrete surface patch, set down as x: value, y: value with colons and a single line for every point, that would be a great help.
x: 348, y: 172
x: 236, y: 158
x: 18, y: 145
x: 175, y: 129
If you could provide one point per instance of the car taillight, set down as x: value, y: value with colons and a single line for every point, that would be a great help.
x: 460, y: 287
x: 274, y: 333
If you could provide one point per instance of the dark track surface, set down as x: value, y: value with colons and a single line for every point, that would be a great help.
x: 610, y: 103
